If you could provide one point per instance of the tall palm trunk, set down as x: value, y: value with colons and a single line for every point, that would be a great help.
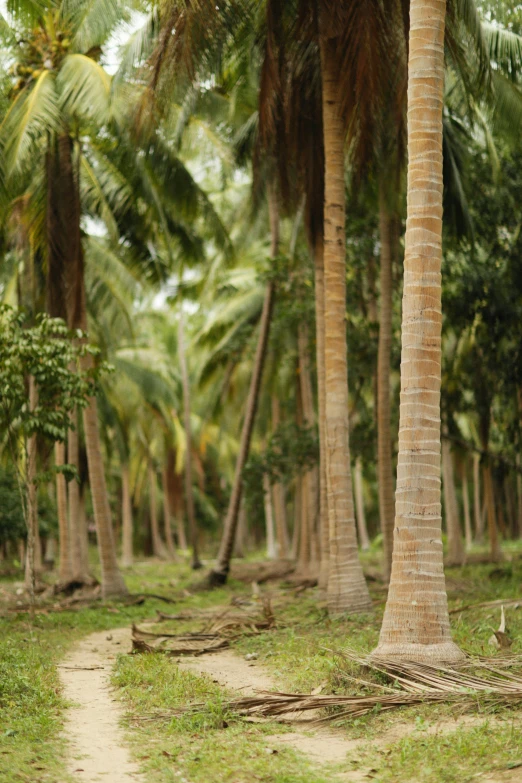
x: 456, y: 554
x: 477, y: 508
x: 465, y: 499
x: 278, y: 492
x: 79, y: 563
x: 384, y: 441
x: 489, y: 496
x: 219, y: 574
x: 189, y: 492
x: 364, y: 539
x: 167, y: 515
x: 416, y: 620
x: 271, y: 543
x: 65, y: 568
x: 33, y: 538
x: 347, y: 589
x: 82, y: 525
x: 127, y: 526
x: 242, y: 530
x: 158, y: 547
x: 321, y: 405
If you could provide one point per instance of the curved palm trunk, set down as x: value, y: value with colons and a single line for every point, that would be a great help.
x: 456, y: 554
x: 127, y: 525
x: 347, y: 589
x: 364, y: 539
x: 321, y: 404
x: 158, y: 547
x: 384, y: 441
x: 189, y: 493
x: 167, y: 521
x: 416, y: 620
x: 219, y: 574
x: 65, y: 568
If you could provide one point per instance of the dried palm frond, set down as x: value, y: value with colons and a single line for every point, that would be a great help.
x: 408, y: 683
x: 514, y: 603
x: 179, y: 646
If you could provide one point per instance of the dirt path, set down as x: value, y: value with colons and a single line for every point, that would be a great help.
x: 98, y: 753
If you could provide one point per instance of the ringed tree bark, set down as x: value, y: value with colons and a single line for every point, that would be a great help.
x: 362, y: 529
x: 416, y: 620
x: 127, y: 526
x: 347, y: 589
x: 219, y: 574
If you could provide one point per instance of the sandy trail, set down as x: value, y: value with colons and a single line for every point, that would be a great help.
x: 92, y: 724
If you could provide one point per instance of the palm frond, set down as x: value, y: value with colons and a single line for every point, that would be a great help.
x: 85, y: 88
x: 92, y: 21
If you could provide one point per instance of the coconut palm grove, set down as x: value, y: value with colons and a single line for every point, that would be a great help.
x: 260, y: 391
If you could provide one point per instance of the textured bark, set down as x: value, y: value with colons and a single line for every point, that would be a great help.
x: 167, y: 521
x: 127, y: 525
x: 384, y: 441
x: 347, y: 590
x: 296, y: 533
x: 158, y: 547
x: 278, y: 492
x: 65, y: 568
x: 456, y: 554
x: 79, y: 563
x: 271, y: 549
x: 220, y: 572
x: 416, y: 620
x: 189, y: 492
x: 321, y: 404
x: 468, y: 531
x: 364, y: 539
x: 477, y: 508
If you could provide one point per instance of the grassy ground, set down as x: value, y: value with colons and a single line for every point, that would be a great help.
x: 300, y: 655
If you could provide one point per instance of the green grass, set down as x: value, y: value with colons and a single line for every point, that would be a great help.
x: 300, y: 655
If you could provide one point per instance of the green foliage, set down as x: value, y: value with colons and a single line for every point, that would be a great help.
x: 12, y: 522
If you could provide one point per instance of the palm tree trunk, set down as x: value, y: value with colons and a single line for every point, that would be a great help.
x: 82, y: 526
x: 33, y: 539
x: 158, y: 547
x: 65, y: 568
x: 347, y: 589
x: 219, y: 574
x: 364, y: 539
x: 127, y: 525
x: 167, y: 522
x: 79, y: 565
x: 477, y: 508
x: 241, y: 537
x: 489, y: 494
x: 189, y: 492
x: 296, y: 533
x: 271, y: 548
x: 384, y: 441
x: 465, y: 497
x: 278, y: 492
x: 456, y: 554
x: 416, y: 620
x: 318, y: 252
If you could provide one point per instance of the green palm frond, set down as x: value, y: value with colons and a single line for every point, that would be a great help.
x: 29, y: 12
x: 34, y: 114
x: 85, y: 88
x: 505, y: 49
x: 104, y: 190
x: 507, y: 116
x: 138, y: 47
x: 93, y: 21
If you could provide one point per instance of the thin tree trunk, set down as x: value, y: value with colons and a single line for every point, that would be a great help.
x: 477, y: 508
x: 278, y: 492
x: 158, y: 547
x: 364, y: 539
x: 241, y: 537
x: 489, y: 495
x: 416, y: 620
x: 468, y: 530
x: 347, y: 588
x: 167, y: 521
x: 296, y: 533
x: 112, y: 580
x: 384, y: 441
x: 50, y: 552
x: 324, y: 528
x: 189, y: 492
x: 509, y: 496
x: 127, y: 525
x: 65, y: 568
x: 220, y: 571
x: 33, y: 538
x: 519, y: 497
x: 79, y: 565
x: 456, y: 553
x: 271, y: 549
x: 82, y: 526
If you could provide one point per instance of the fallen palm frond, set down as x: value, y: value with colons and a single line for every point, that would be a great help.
x: 408, y: 683
x: 233, y: 623
x: 179, y: 645
x: 514, y: 603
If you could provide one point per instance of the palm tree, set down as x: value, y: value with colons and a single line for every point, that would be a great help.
x: 416, y: 621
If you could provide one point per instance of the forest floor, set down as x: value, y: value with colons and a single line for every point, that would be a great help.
x: 59, y: 711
